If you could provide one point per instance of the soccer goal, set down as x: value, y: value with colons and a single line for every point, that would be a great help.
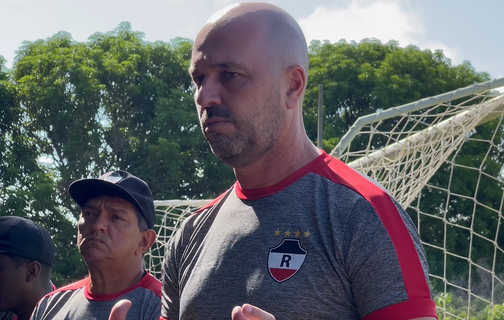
x: 442, y: 158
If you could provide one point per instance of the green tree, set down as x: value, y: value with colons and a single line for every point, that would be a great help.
x: 114, y: 102
x: 362, y: 78
x: 26, y: 187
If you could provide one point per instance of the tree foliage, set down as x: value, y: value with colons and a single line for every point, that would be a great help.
x: 78, y: 109
x: 363, y: 78
x: 114, y: 102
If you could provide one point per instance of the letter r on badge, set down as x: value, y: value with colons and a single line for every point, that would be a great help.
x: 285, y: 259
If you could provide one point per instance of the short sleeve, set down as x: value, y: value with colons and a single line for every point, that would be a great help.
x: 170, y: 299
x: 38, y: 312
x: 375, y: 269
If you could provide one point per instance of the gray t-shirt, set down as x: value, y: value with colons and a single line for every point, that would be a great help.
x: 325, y: 243
x: 7, y: 316
x: 76, y: 302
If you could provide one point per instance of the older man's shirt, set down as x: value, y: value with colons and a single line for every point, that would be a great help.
x: 76, y: 302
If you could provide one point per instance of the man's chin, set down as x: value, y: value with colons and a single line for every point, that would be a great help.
x: 92, y: 255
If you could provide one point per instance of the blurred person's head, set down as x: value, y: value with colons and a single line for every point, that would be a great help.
x: 26, y: 257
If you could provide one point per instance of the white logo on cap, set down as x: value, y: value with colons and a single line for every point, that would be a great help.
x: 114, y: 177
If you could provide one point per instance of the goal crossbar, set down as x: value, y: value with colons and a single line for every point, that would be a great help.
x: 411, y: 107
x: 482, y: 112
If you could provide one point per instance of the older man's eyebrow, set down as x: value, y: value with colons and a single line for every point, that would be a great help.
x: 116, y: 209
x: 89, y: 206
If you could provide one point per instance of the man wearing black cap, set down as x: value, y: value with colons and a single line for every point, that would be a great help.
x: 114, y: 231
x: 26, y: 256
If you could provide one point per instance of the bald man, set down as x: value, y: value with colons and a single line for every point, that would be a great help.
x: 300, y: 235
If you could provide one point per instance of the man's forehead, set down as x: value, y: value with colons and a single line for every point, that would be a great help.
x: 116, y: 203
x: 228, y: 45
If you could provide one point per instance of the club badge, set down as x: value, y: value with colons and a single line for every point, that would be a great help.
x: 286, y: 259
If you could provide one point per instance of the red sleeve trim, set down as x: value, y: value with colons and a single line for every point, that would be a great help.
x: 162, y: 318
x: 151, y: 284
x: 147, y: 282
x: 214, y: 201
x: 410, y: 309
x: 413, y: 274
x: 72, y: 286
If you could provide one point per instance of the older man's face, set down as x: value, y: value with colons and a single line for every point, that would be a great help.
x: 108, y: 230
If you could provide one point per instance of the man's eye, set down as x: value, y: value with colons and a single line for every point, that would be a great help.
x: 231, y: 75
x: 86, y: 213
x: 198, y: 80
x: 118, y: 218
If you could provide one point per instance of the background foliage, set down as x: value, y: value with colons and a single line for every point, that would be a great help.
x: 70, y: 110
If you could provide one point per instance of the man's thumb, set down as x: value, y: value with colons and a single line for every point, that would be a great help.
x: 120, y: 310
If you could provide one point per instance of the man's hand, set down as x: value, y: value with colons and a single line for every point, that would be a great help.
x: 120, y: 310
x: 249, y: 312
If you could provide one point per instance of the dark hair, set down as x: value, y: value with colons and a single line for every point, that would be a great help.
x: 45, y: 269
x: 142, y: 223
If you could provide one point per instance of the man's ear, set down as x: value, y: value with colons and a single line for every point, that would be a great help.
x: 148, y: 238
x: 32, y: 270
x: 296, y: 79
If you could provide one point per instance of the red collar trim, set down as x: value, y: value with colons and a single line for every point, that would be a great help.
x: 254, y: 194
x: 107, y: 297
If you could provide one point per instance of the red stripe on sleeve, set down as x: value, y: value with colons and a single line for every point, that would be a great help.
x: 413, y: 275
x: 406, y: 310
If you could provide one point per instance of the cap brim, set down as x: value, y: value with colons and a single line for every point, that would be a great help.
x: 86, y: 189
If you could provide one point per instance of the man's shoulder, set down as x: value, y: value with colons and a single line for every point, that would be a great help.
x: 70, y: 287
x: 152, y: 284
x: 340, y: 173
x: 213, y: 202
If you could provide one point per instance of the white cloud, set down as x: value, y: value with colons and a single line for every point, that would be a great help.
x: 381, y: 19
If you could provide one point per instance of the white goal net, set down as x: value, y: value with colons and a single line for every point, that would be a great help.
x: 170, y: 214
x: 442, y: 158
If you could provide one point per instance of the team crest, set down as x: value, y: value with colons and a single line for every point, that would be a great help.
x: 286, y: 259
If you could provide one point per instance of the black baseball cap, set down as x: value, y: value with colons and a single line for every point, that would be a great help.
x: 25, y: 238
x: 120, y: 184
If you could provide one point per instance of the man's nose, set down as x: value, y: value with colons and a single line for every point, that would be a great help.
x: 100, y: 223
x: 208, y: 94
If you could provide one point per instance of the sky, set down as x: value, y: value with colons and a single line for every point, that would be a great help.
x: 463, y: 29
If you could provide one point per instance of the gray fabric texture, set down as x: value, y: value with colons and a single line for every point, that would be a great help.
x: 72, y: 303
x: 7, y: 315
x: 219, y: 258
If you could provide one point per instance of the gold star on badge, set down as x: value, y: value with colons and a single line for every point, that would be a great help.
x: 287, y: 233
x: 277, y: 232
x: 307, y: 234
x: 297, y: 233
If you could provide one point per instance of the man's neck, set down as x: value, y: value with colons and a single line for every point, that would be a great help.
x: 30, y: 300
x: 277, y: 164
x: 107, y: 279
